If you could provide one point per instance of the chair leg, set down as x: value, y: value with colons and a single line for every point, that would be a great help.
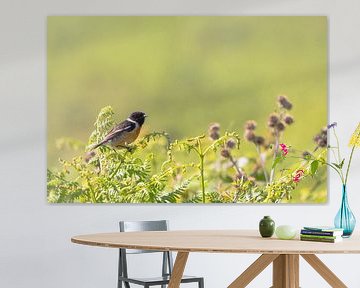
x: 201, y: 283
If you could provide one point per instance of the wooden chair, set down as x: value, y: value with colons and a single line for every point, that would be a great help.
x: 167, y: 262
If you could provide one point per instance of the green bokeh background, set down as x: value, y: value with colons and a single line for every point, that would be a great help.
x: 185, y: 72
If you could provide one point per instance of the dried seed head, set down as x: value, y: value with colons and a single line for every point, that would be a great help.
x: 273, y: 120
x: 249, y: 135
x: 214, y: 130
x: 280, y: 126
x: 231, y: 143
x: 324, y: 131
x: 321, y: 138
x: 322, y: 143
x: 317, y: 137
x: 259, y: 140
x: 288, y: 119
x: 225, y: 153
x: 250, y: 125
x: 214, y: 127
x: 214, y: 135
x: 284, y: 102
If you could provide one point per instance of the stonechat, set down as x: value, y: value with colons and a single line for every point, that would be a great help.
x: 124, y: 133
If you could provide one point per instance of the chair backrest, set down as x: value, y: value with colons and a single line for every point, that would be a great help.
x: 134, y: 226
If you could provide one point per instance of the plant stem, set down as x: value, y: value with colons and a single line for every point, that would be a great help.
x: 337, y: 171
x: 233, y: 162
x: 262, y: 164
x: 92, y: 192
x: 337, y: 143
x: 202, y: 177
x: 275, y: 154
x: 348, y: 166
x: 339, y: 155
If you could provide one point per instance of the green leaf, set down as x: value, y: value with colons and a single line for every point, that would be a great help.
x: 342, y: 163
x: 314, y: 167
x: 277, y: 160
x: 339, y: 166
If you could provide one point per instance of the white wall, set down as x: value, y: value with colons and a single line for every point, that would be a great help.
x: 35, y: 248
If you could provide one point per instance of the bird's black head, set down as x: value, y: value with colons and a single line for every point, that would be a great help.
x: 139, y: 117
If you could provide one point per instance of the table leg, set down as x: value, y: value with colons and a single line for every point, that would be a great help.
x: 286, y: 271
x: 178, y: 270
x: 324, y: 271
x: 253, y: 270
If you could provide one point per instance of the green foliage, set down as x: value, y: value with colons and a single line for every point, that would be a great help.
x: 339, y: 164
x: 154, y: 170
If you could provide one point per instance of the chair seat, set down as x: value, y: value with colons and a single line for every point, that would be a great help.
x: 158, y: 280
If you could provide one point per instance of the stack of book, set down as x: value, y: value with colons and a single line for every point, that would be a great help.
x: 321, y: 234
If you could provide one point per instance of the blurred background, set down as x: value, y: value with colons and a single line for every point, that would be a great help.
x: 185, y: 72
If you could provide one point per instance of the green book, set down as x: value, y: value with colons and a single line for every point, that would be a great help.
x: 324, y: 228
x: 325, y: 240
x: 319, y: 236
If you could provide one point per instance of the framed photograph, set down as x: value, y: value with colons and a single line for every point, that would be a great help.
x: 187, y: 109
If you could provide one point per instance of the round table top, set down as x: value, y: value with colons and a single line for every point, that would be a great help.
x: 217, y: 241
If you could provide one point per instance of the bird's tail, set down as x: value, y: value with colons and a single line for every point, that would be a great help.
x: 96, y: 146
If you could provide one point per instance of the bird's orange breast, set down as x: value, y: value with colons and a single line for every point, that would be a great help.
x: 127, y: 138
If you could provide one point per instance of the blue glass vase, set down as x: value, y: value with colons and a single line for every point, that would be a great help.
x: 345, y: 219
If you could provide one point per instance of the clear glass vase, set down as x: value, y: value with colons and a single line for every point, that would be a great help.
x: 345, y: 219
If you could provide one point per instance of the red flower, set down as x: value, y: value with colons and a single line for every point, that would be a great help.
x: 284, y: 149
x: 298, y: 175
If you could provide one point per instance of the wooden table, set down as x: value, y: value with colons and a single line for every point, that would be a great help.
x: 284, y: 254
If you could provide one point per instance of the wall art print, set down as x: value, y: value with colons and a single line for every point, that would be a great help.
x: 186, y: 109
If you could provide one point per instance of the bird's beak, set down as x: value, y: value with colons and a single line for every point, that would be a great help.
x: 145, y: 115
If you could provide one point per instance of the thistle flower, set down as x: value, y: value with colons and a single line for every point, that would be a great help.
x: 250, y: 125
x: 249, y: 135
x: 284, y: 149
x: 225, y: 153
x: 321, y: 138
x: 214, y: 127
x: 214, y: 135
x: 214, y: 130
x: 355, y: 138
x: 259, y: 140
x: 280, y: 126
x: 273, y: 120
x: 231, y: 144
x: 284, y: 102
x: 288, y: 119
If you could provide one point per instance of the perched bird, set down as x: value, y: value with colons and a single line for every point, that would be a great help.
x: 124, y: 133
